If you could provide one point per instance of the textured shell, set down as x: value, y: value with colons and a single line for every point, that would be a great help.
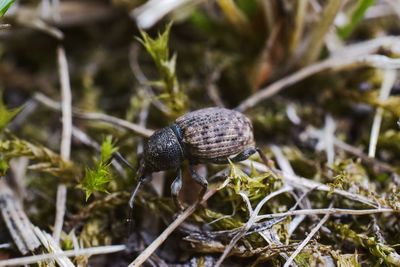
x: 214, y: 134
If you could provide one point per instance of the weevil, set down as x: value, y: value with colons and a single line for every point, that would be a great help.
x: 209, y: 135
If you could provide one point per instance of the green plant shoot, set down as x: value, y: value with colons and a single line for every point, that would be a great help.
x: 96, y: 179
x: 158, y: 49
x: 6, y: 115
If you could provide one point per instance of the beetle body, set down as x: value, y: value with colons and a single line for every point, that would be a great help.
x: 209, y: 135
x: 214, y: 134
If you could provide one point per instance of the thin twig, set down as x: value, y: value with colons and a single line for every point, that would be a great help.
x: 4, y: 26
x: 164, y: 235
x: 306, y: 240
x: 381, y: 166
x: 20, y: 119
x: 337, y: 62
x: 67, y: 253
x: 5, y: 245
x: 16, y: 221
x: 51, y: 245
x: 65, y: 150
x: 389, y: 79
x: 330, y: 211
x: 359, y: 49
x: 295, y: 222
x: 270, y: 234
x: 282, y: 161
x: 301, y: 182
x: 285, y: 166
x: 41, y: 25
x: 48, y: 102
x: 60, y: 210
x: 115, y: 121
x: 329, y: 136
x: 18, y: 168
x: 253, y: 217
x: 85, y: 138
x: 66, y: 104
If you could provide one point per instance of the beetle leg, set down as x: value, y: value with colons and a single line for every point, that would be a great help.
x: 245, y: 154
x: 200, y: 180
x: 175, y: 188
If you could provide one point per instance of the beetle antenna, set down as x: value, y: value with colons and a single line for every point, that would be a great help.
x: 141, y: 180
x: 120, y: 158
x: 131, y: 201
x: 142, y: 177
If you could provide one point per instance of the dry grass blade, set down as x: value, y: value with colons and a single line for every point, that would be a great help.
x: 328, y: 140
x: 96, y: 116
x: 164, y: 235
x: 304, y: 183
x: 66, y: 104
x: 381, y: 166
x: 65, y: 150
x: 284, y: 164
x: 68, y: 253
x: 4, y: 26
x: 314, y: 45
x: 389, y: 80
x: 52, y: 245
x: 16, y: 221
x: 301, y: 7
x: 305, y: 241
x: 253, y: 218
x: 152, y: 11
x: 340, y: 61
x: 330, y: 211
x: 60, y: 210
x: 26, y: 236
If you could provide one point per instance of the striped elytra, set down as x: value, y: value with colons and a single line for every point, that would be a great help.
x: 214, y: 134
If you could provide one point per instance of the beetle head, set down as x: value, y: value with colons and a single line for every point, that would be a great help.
x: 162, y: 152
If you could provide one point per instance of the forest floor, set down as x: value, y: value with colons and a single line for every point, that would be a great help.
x: 84, y: 80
